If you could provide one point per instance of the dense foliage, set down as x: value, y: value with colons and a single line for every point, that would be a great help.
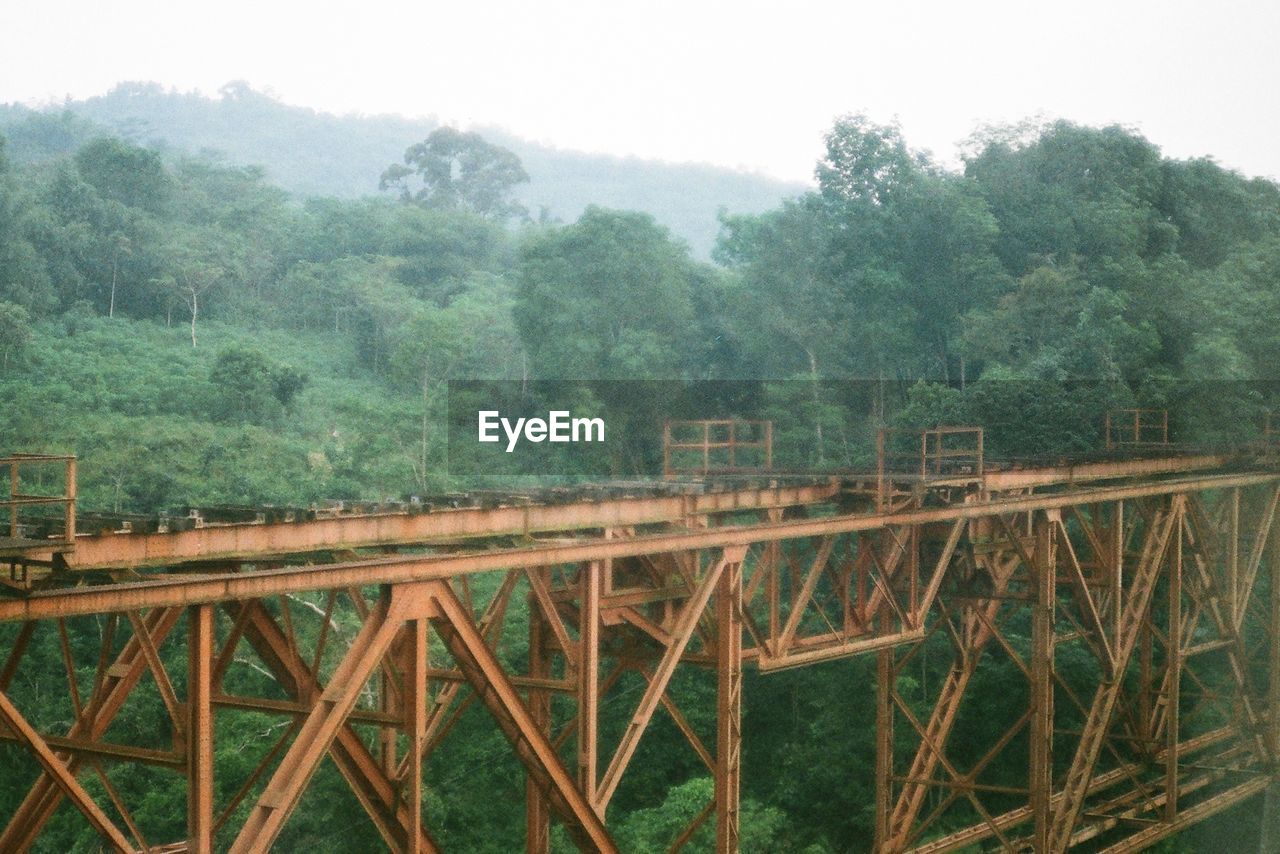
x: 197, y: 337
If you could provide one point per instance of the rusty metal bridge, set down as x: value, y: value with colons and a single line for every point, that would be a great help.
x: 1153, y: 570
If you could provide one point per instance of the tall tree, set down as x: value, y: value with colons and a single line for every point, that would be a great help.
x: 125, y: 173
x: 15, y: 330
x: 460, y: 169
x: 606, y: 297
x: 195, y: 267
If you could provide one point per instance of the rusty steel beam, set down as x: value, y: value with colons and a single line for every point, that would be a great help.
x: 1104, y: 701
x: 683, y: 632
x: 285, y: 788
x: 230, y: 541
x: 180, y: 591
x: 487, y: 676
x: 45, y: 794
x: 1144, y: 839
x: 417, y: 655
x: 1044, y: 571
x: 883, y: 596
x: 728, y: 760
x: 590, y: 586
x: 1010, y: 479
x: 62, y: 776
x: 537, y: 806
x: 200, y: 627
x: 368, y: 781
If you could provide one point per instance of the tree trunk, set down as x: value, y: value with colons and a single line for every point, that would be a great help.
x: 111, y: 303
x: 195, y: 310
x: 817, y: 413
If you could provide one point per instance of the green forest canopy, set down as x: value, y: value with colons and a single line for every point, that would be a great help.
x: 1065, y: 270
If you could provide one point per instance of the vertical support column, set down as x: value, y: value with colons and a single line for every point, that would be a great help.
x: 69, y: 511
x: 1117, y: 567
x: 666, y: 450
x: 1269, y: 838
x: 1174, y: 681
x: 13, y: 495
x: 884, y: 746
x: 728, y: 705
x: 772, y: 564
x: 1233, y: 559
x: 416, y: 661
x: 537, y: 810
x: 881, y: 498
x: 1273, y: 631
x: 387, y: 731
x: 589, y: 678
x: 706, y: 447
x: 1146, y: 683
x: 200, y: 654
x: 1042, y: 629
x: 913, y: 570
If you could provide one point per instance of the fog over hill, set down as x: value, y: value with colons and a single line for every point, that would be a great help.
x: 311, y: 153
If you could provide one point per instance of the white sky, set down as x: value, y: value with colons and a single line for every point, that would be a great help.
x: 742, y: 84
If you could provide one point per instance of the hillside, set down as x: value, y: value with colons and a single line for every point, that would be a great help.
x: 310, y: 153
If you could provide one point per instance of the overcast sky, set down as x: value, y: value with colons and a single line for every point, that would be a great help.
x: 742, y: 84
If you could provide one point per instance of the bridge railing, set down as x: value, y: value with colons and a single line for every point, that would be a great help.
x: 1129, y: 428
x: 937, y: 452
x: 26, y: 503
x: 933, y: 454
x: 716, y: 445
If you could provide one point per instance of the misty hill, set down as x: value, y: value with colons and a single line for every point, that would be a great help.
x: 311, y: 153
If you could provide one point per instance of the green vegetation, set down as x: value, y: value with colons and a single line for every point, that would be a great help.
x: 197, y: 337
x: 313, y: 154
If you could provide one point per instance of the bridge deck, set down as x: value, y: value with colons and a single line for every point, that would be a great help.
x: 276, y: 532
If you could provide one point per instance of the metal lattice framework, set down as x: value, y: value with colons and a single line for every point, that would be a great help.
x: 1138, y: 599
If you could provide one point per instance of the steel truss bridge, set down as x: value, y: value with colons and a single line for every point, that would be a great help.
x: 1153, y: 574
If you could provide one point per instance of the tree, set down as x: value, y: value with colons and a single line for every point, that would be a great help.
x: 607, y: 297
x: 15, y: 330
x: 193, y: 270
x: 472, y: 337
x: 1055, y: 324
x: 788, y: 312
x: 865, y: 162
x: 249, y: 388
x: 460, y: 169
x: 23, y: 275
x: 124, y: 173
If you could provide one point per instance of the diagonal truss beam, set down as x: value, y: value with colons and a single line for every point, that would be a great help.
x: 979, y: 633
x: 94, y: 719
x: 681, y: 635
x: 494, y: 689
x: 63, y: 777
x: 1094, y: 729
x: 367, y: 779
x: 327, y: 718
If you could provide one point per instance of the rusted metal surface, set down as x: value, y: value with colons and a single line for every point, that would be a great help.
x: 1155, y: 571
x: 273, y: 539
